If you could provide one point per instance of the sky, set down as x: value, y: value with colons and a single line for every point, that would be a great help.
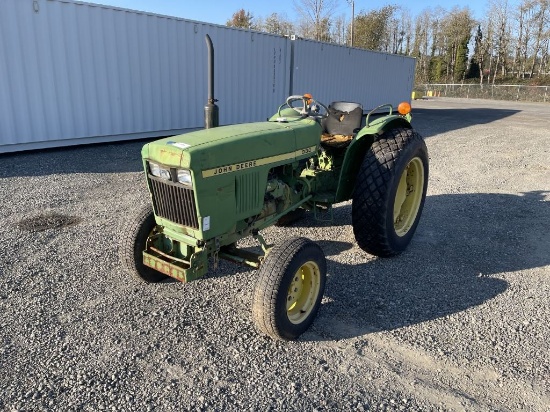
x: 219, y: 11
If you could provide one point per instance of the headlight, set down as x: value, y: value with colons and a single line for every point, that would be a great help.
x: 184, y: 177
x: 158, y: 171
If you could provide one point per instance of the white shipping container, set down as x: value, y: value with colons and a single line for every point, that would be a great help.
x: 336, y: 73
x: 74, y: 72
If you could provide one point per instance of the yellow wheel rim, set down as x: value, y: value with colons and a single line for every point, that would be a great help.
x: 303, y: 291
x: 408, y: 197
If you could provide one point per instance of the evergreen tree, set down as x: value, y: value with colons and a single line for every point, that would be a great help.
x: 241, y: 19
x: 371, y: 30
x: 461, y: 61
x: 474, y: 69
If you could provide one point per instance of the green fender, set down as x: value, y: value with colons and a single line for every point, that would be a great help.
x: 358, y: 148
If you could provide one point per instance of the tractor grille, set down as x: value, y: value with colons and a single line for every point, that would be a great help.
x: 174, y: 202
x: 249, y: 196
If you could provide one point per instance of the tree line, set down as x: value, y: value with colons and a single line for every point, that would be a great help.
x: 510, y: 43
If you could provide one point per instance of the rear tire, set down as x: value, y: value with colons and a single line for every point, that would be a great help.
x: 289, y: 290
x: 135, y: 233
x: 390, y: 192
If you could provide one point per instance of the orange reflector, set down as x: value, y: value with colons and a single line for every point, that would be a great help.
x: 404, y: 108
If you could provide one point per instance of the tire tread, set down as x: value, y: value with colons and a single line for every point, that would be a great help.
x: 373, y: 184
x: 136, y: 229
x: 270, y: 277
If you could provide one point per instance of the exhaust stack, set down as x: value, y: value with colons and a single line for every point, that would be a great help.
x: 211, y: 111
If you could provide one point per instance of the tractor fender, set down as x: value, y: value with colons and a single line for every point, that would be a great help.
x: 358, y: 148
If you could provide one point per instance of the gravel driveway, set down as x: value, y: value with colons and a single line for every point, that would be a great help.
x: 460, y: 321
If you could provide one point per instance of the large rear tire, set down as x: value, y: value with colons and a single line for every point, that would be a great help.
x: 134, y: 237
x: 390, y: 192
x: 289, y: 290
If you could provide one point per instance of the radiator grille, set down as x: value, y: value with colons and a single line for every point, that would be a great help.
x: 174, y: 202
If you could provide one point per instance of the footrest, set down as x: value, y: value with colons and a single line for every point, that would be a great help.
x: 320, y: 209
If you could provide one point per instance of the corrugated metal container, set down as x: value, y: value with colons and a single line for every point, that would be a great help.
x: 331, y: 73
x: 73, y: 72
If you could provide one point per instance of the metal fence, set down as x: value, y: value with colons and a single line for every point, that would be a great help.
x: 487, y: 91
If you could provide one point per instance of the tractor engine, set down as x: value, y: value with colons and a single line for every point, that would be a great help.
x: 277, y: 198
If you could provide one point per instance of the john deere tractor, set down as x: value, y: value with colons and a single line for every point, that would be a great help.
x: 213, y: 187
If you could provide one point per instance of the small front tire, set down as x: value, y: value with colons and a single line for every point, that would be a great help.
x: 135, y: 233
x: 289, y: 290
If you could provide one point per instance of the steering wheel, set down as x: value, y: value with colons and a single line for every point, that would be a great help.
x: 310, y: 107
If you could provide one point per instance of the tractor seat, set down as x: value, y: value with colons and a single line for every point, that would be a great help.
x: 342, y: 122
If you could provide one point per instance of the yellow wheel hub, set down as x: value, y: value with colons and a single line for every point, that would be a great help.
x: 303, y: 291
x: 408, y: 196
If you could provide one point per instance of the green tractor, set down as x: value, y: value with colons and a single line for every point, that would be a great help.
x: 214, y: 187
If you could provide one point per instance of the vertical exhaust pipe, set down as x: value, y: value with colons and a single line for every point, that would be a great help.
x: 211, y: 111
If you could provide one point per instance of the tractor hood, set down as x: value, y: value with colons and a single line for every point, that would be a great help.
x: 231, y: 145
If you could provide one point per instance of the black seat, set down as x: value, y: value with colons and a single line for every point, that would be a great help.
x: 343, y: 118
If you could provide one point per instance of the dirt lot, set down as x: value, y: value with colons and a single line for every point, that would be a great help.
x: 460, y: 321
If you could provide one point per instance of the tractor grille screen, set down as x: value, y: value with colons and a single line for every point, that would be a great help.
x: 174, y: 202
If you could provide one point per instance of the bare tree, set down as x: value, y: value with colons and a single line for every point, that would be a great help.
x: 497, y: 18
x: 421, y: 45
x: 277, y: 23
x: 540, y: 23
x: 481, y: 50
x: 543, y: 70
x: 398, y: 24
x: 339, y: 31
x: 456, y: 31
x: 316, y: 17
x: 522, y: 34
x: 512, y: 38
x: 425, y: 43
x: 406, y: 27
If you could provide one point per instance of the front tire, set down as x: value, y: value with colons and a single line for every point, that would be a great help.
x: 289, y: 290
x: 390, y: 192
x: 135, y: 233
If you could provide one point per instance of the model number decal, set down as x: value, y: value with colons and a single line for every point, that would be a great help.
x: 255, y: 163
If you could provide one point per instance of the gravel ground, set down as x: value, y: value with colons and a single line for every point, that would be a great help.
x: 460, y: 321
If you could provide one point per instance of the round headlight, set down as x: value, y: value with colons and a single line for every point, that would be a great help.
x: 184, y: 177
